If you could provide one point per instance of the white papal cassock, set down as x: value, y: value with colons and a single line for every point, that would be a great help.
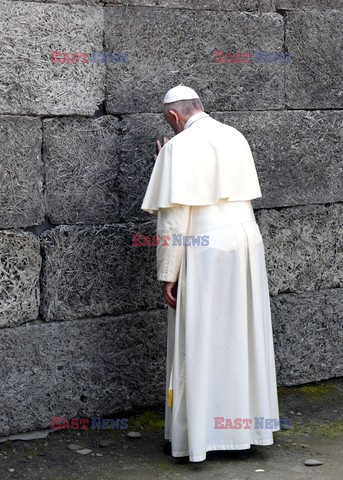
x: 220, y: 354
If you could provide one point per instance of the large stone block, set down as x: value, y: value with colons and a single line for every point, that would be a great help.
x: 309, y: 4
x: 298, y: 155
x: 137, y: 147
x: 65, y: 359
x: 80, y: 369
x: 314, y: 77
x: 303, y: 247
x: 165, y: 50
x: 29, y: 32
x: 308, y: 336
x: 21, y: 172
x: 89, y: 271
x: 81, y: 164
x: 66, y: 2
x: 225, y: 5
x: 20, y: 264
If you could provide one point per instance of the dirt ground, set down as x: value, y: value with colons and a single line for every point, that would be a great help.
x: 316, y: 432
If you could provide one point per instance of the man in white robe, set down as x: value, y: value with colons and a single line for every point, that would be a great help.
x: 221, y: 391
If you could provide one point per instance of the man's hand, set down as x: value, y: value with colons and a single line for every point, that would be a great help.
x: 159, y: 146
x: 170, y: 292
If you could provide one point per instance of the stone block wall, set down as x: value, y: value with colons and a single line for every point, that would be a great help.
x: 83, y: 327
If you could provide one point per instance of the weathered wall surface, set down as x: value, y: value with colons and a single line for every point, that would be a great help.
x: 83, y: 324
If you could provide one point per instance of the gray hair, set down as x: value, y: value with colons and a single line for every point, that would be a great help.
x: 184, y: 107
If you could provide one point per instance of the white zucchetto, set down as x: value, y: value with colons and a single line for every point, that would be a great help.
x: 180, y: 93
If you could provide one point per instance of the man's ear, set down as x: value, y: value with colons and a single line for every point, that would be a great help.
x: 175, y: 115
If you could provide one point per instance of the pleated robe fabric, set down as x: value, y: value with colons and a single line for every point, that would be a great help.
x: 220, y: 354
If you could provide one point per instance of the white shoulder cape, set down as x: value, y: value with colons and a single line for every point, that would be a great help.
x: 204, y: 163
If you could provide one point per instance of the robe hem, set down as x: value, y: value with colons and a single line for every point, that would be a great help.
x: 209, y: 448
x: 153, y: 210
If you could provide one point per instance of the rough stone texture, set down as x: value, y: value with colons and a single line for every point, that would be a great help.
x: 21, y: 172
x: 309, y: 4
x: 66, y: 2
x: 313, y: 79
x: 100, y: 366
x: 303, y: 253
x: 298, y: 155
x: 77, y: 369
x: 166, y: 50
x: 308, y: 336
x: 226, y: 5
x: 138, y: 145
x: 223, y: 5
x: 20, y: 264
x: 94, y: 270
x: 81, y: 165
x: 96, y: 174
x: 30, y: 83
x: 304, y: 247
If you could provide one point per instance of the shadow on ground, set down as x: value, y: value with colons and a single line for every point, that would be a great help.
x: 315, y: 411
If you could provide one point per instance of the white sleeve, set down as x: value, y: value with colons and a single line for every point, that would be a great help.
x: 170, y: 220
